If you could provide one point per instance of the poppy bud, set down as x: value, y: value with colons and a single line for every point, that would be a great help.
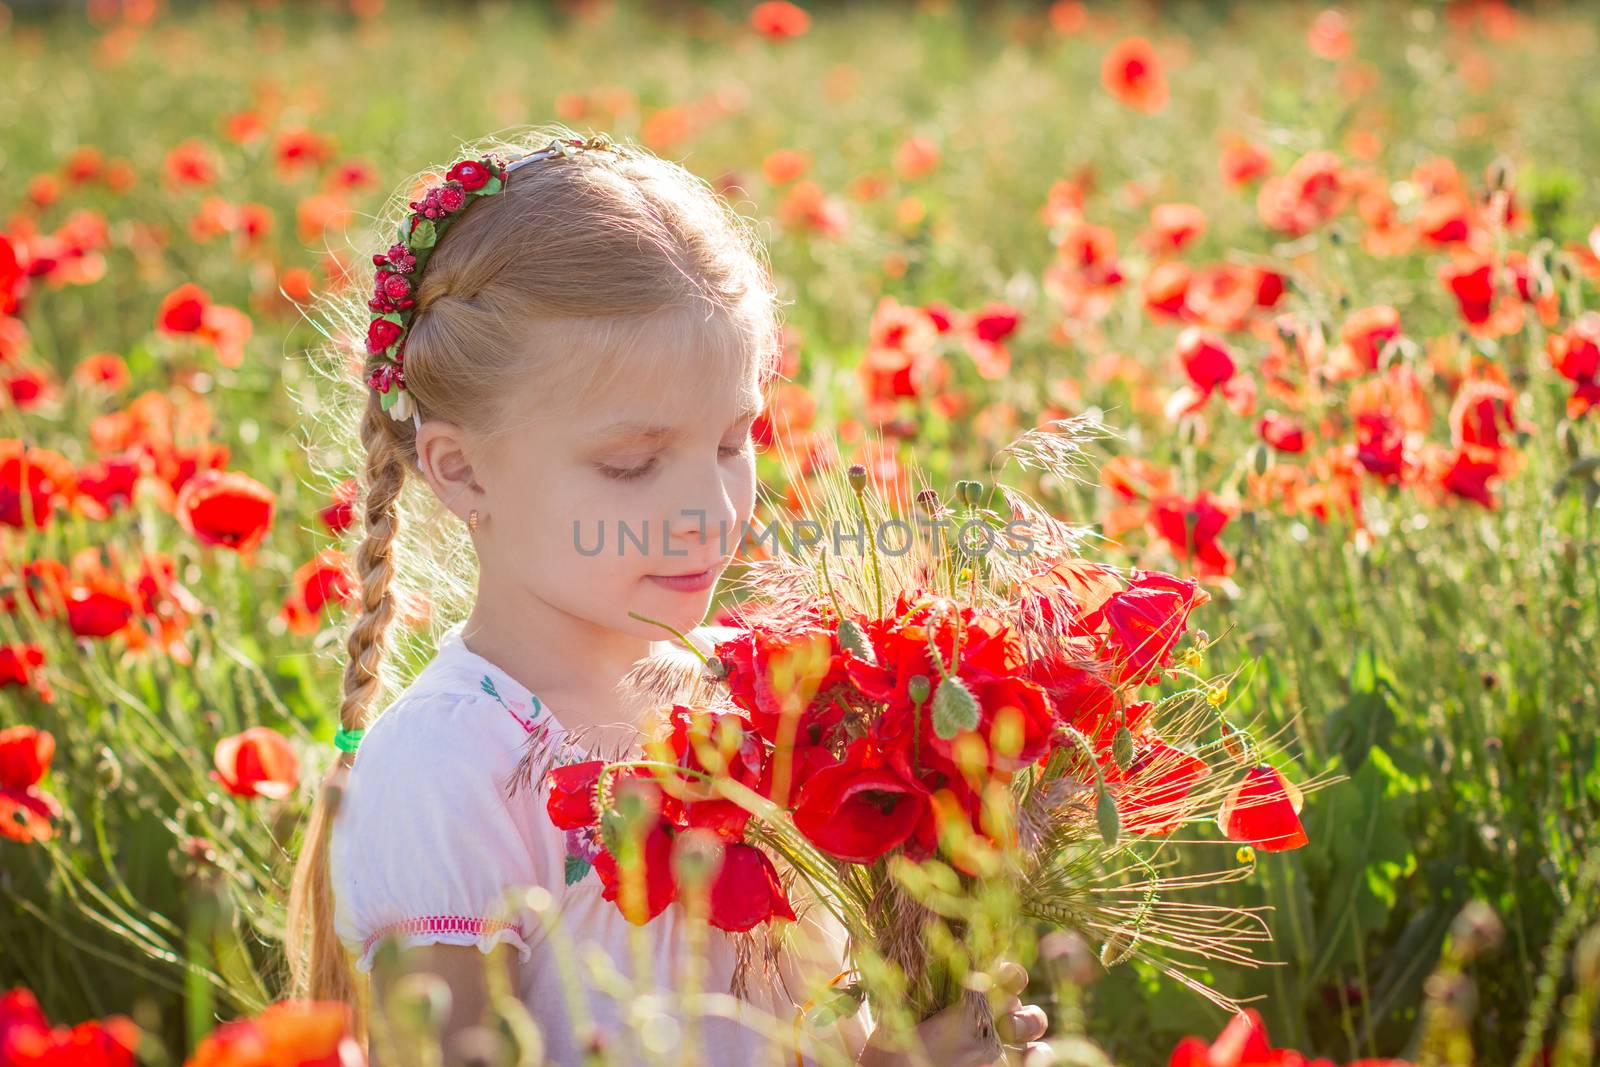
x: 854, y: 640
x: 1105, y: 813
x: 1568, y: 439
x: 857, y: 475
x: 1260, y: 458
x: 971, y: 492
x: 928, y: 501
x: 1499, y: 174
x: 108, y: 769
x: 1122, y: 747
x: 917, y: 688
x: 954, y: 708
x: 1336, y: 238
x: 1118, y: 947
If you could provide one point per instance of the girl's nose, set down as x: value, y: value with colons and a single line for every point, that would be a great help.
x: 706, y: 521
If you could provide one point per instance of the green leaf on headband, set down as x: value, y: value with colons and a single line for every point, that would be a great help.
x: 424, y: 235
x: 392, y: 316
x: 386, y: 400
x: 491, y: 186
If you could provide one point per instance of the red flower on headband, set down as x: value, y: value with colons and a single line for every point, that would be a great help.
x: 470, y: 173
x: 452, y: 198
x: 381, y: 334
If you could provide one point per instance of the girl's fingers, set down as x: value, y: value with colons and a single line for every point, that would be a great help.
x: 1038, y: 1054
x: 1011, y: 977
x: 1024, y: 1025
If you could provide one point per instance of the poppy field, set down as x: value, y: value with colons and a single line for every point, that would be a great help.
x: 1325, y: 280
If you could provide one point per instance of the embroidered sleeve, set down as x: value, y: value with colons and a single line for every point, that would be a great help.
x: 427, y: 848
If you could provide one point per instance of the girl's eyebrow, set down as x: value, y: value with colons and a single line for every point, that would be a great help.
x: 634, y: 430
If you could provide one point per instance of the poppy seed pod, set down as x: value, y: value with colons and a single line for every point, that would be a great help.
x: 917, y: 687
x: 1118, y: 947
x: 1105, y: 814
x: 854, y: 639
x: 857, y: 475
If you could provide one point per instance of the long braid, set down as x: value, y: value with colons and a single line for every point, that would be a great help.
x: 318, y: 965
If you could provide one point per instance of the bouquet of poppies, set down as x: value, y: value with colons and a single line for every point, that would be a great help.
x: 951, y: 740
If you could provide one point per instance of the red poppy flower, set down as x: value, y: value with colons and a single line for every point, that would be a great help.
x: 47, y: 479
x: 571, y: 800
x: 111, y: 482
x: 655, y: 870
x: 1263, y: 810
x: 229, y: 509
x: 28, y: 1040
x: 1133, y: 73
x: 1483, y: 413
x: 1191, y: 529
x: 325, y: 578
x: 1150, y: 795
x: 777, y: 19
x: 746, y: 891
x: 994, y: 322
x: 1468, y: 475
x: 307, y: 1033
x: 340, y: 513
x: 1173, y: 227
x: 1366, y: 331
x: 860, y: 809
x: 1311, y: 193
x: 12, y: 276
x: 1381, y: 446
x: 1282, y: 433
x: 26, y: 811
x: 100, y: 605
x: 183, y: 309
x: 1471, y: 281
x: 1145, y: 621
x: 788, y: 769
x: 257, y: 763
x: 721, y: 744
x: 1575, y: 352
x: 1242, y: 162
x: 1242, y: 1043
x: 785, y: 681
x: 20, y: 664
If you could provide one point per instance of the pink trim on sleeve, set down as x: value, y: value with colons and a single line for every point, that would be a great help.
x: 450, y: 925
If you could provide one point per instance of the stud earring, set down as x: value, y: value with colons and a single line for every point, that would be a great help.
x: 472, y: 520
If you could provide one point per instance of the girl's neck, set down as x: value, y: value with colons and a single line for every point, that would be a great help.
x: 574, y: 666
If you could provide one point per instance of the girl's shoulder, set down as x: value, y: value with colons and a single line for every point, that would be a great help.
x: 457, y: 714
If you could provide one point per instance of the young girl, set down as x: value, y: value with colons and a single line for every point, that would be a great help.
x: 568, y: 351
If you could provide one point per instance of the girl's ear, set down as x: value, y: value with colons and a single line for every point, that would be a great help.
x: 443, y: 459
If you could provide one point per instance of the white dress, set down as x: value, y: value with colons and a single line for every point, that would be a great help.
x: 428, y: 848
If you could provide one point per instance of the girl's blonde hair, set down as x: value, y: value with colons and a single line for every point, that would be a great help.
x: 559, y: 275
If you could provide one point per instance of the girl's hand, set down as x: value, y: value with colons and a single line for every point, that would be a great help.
x: 949, y: 1041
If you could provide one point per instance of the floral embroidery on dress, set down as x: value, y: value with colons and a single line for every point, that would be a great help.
x: 525, y: 718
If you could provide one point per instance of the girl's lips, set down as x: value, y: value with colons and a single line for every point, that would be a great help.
x: 689, y: 583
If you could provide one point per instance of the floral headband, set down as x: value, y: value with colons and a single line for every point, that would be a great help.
x: 400, y: 268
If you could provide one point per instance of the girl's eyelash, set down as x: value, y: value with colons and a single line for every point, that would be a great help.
x: 628, y: 474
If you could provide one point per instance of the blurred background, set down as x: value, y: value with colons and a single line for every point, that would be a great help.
x: 1327, y: 271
